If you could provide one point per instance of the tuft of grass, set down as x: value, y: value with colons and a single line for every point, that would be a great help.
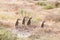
x: 41, y: 3
x: 23, y: 12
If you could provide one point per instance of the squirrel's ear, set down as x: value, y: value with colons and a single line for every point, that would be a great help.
x: 18, y: 19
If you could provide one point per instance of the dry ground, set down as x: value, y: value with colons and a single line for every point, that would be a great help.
x: 10, y: 11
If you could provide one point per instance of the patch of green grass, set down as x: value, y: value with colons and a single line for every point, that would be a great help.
x: 41, y: 3
x: 6, y: 35
x: 49, y: 6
